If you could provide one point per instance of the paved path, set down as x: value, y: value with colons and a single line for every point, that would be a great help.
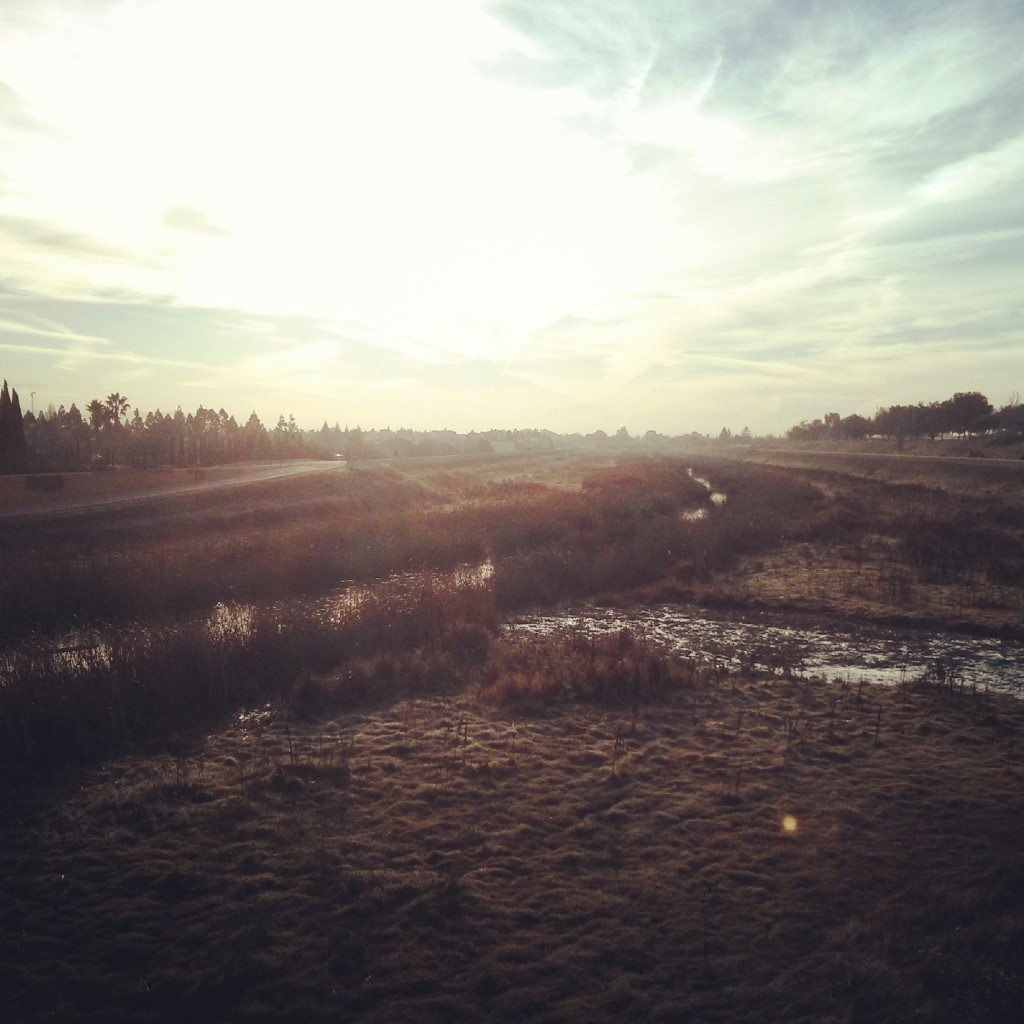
x: 274, y: 471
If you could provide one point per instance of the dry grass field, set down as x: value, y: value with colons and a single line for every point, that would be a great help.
x: 418, y: 814
x: 737, y: 850
x: 911, y: 541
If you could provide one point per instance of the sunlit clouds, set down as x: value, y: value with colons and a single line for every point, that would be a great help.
x: 516, y: 213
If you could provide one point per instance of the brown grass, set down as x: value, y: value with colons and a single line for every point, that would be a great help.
x: 450, y: 858
x: 930, y: 554
x: 427, y: 823
x: 943, y: 465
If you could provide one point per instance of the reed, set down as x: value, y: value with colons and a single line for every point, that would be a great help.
x: 622, y: 670
x: 61, y: 706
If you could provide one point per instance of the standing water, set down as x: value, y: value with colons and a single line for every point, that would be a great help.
x: 871, y: 654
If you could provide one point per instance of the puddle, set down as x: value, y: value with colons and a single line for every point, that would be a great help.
x: 234, y: 622
x: 764, y: 643
x: 255, y: 717
x: 872, y: 654
x: 717, y: 498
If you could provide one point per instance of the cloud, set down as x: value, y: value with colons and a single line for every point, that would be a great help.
x: 190, y: 219
x: 42, y: 234
x: 15, y: 114
x: 974, y: 175
x: 60, y: 336
x: 404, y: 207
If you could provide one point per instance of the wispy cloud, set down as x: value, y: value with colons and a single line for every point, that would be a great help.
x: 188, y: 218
x: 15, y: 114
x: 47, y: 235
x: 47, y: 329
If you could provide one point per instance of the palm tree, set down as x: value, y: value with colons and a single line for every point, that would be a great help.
x: 99, y: 414
x: 117, y: 406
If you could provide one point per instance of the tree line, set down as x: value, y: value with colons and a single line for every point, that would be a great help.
x: 964, y: 414
x: 112, y: 433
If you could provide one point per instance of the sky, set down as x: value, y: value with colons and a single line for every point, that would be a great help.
x: 667, y: 215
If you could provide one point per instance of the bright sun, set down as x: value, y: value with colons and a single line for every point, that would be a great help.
x: 361, y: 175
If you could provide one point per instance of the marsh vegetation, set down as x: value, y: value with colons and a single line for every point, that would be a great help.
x: 276, y: 754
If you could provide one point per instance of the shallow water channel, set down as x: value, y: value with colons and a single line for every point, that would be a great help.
x: 759, y: 642
x: 872, y: 654
x: 235, y: 621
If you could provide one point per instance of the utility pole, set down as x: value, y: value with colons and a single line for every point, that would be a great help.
x: 33, y: 394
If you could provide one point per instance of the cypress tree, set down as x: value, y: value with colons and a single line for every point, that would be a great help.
x: 13, y: 449
x: 6, y: 430
x: 19, y: 448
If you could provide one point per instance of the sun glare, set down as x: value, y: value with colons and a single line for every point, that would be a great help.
x: 378, y: 177
x: 789, y: 823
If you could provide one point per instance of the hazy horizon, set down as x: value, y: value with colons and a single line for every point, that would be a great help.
x: 522, y: 213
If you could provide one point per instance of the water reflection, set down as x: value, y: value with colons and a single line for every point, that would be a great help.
x: 764, y: 643
x: 875, y: 655
x: 717, y: 498
x: 231, y: 622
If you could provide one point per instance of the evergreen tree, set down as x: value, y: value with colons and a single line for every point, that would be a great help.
x: 18, y: 446
x: 13, y: 450
x: 6, y: 430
